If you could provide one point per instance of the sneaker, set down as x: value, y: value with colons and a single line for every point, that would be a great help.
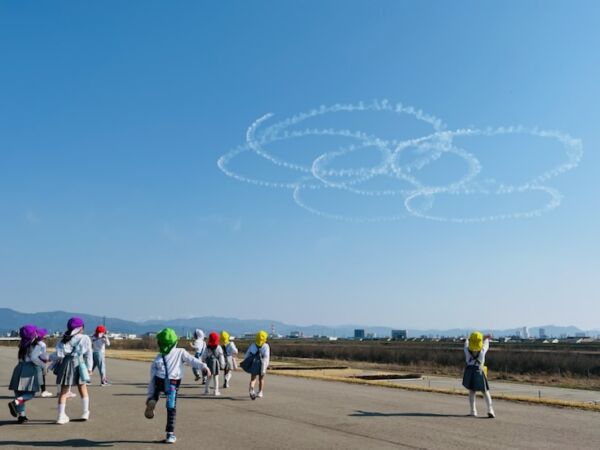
x: 22, y: 419
x: 260, y: 394
x: 217, y: 393
x: 12, y: 407
x: 62, y: 419
x: 252, y: 394
x: 206, y: 392
x: 491, y: 414
x: 150, y: 405
x: 106, y: 383
x: 197, y: 377
x: 473, y: 414
x: 226, y: 384
x: 170, y: 439
x: 46, y: 394
x: 85, y: 416
x: 71, y: 394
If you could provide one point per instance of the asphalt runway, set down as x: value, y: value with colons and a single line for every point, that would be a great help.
x: 295, y: 414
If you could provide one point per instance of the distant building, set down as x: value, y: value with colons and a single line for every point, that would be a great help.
x: 399, y: 335
x: 371, y: 335
x: 524, y: 333
x: 542, y: 333
x: 296, y: 334
x: 359, y: 334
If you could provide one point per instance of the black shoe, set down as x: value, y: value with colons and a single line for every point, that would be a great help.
x: 22, y: 419
x: 12, y: 407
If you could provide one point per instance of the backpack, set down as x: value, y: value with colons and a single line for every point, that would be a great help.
x: 475, y: 357
x: 212, y: 359
x: 252, y: 364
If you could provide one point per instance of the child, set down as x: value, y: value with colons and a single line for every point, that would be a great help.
x: 74, y: 367
x: 41, y: 335
x: 214, y: 359
x: 166, y: 373
x: 475, y: 376
x: 256, y: 362
x: 199, y: 346
x: 26, y: 378
x: 229, y: 350
x: 99, y: 343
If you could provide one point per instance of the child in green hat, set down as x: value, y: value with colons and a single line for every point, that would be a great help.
x: 166, y: 374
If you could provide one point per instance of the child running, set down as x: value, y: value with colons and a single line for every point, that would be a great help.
x: 199, y: 346
x: 26, y: 378
x: 214, y: 359
x: 41, y: 335
x: 256, y: 362
x: 99, y: 343
x: 475, y: 376
x: 229, y: 350
x: 74, y: 367
x: 166, y: 373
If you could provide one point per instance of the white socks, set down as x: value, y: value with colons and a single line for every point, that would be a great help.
x: 85, y: 404
x: 61, y: 409
x: 488, y: 401
x: 472, y: 397
x: 228, y: 376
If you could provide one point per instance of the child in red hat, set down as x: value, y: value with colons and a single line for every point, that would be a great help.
x: 99, y: 343
x: 215, y: 360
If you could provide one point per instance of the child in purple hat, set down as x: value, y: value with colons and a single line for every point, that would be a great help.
x: 41, y: 335
x: 26, y: 379
x: 74, y: 367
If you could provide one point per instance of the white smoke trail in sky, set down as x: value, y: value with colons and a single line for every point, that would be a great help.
x: 429, y: 150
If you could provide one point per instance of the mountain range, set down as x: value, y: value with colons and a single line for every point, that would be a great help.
x: 56, y: 320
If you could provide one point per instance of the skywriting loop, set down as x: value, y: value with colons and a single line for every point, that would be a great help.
x: 416, y: 195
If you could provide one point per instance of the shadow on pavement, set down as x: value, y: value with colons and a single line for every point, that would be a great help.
x: 75, y: 443
x: 190, y: 397
x: 402, y: 414
x: 31, y: 422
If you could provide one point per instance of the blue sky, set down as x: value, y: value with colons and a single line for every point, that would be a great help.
x: 113, y: 116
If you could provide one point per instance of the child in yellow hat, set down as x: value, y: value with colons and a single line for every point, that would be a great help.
x: 229, y: 350
x: 256, y: 362
x: 475, y: 375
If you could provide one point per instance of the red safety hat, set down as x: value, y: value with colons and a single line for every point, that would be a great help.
x: 100, y: 329
x: 213, y: 340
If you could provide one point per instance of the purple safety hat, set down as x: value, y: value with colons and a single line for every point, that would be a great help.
x: 28, y: 333
x: 74, y: 323
x: 42, y: 333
